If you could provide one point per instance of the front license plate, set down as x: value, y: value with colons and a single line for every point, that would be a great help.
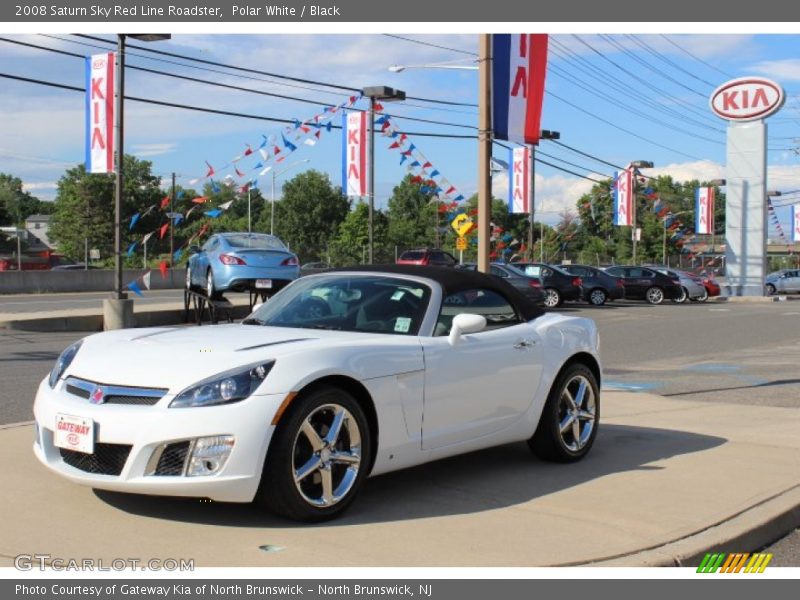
x: 263, y: 284
x: 74, y: 433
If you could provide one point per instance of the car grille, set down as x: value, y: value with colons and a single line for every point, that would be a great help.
x: 114, y: 394
x: 108, y: 459
x: 172, y: 459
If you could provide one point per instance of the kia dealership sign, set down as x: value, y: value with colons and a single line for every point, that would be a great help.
x: 747, y: 99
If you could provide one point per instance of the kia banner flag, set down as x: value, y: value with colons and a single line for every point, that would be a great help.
x: 519, y: 181
x: 354, y: 154
x: 100, y: 113
x: 623, y: 198
x: 518, y: 73
x: 795, y: 223
x: 704, y: 210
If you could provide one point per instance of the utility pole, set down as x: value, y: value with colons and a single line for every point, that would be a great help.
x: 171, y: 227
x: 371, y: 177
x: 484, y: 149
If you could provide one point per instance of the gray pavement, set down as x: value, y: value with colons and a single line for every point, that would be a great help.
x: 671, y: 476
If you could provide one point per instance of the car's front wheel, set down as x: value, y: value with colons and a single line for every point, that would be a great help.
x: 570, y: 418
x: 770, y: 289
x: 654, y: 295
x: 552, y: 298
x: 318, y: 457
x: 597, y: 297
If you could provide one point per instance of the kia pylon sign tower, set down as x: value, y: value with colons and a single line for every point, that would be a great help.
x: 745, y: 103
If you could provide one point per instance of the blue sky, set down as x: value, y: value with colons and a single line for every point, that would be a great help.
x: 667, y: 79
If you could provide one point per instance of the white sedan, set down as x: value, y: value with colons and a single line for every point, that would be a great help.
x: 339, y: 376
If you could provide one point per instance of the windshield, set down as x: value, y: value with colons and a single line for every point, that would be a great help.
x: 254, y: 241
x: 346, y: 302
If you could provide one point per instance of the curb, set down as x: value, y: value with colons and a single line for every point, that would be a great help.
x: 152, y: 318
x: 755, y: 299
x: 747, y: 531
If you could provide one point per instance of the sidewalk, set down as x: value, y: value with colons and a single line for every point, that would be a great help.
x: 666, y: 481
x: 91, y: 319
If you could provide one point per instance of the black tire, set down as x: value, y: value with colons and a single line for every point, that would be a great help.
x: 683, y: 298
x: 548, y: 442
x: 702, y: 298
x: 597, y: 297
x: 770, y: 289
x: 290, y: 445
x: 654, y: 295
x: 552, y: 298
x: 211, y: 288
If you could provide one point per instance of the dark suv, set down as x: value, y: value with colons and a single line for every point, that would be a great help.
x: 647, y: 284
x: 427, y: 256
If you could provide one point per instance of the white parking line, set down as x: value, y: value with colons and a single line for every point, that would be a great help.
x: 719, y: 309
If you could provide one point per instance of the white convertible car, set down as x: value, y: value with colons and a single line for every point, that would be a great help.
x: 338, y: 376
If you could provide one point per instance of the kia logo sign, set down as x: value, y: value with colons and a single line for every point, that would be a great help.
x: 99, y: 63
x: 747, y: 99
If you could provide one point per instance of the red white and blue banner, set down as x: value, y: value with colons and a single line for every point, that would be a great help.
x: 519, y: 66
x: 519, y: 181
x: 704, y: 210
x: 354, y: 153
x: 100, y: 113
x: 795, y: 223
x: 623, y: 198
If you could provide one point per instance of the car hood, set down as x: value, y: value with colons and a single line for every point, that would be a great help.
x: 178, y: 357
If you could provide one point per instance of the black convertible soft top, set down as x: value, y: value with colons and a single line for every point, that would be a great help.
x: 457, y: 280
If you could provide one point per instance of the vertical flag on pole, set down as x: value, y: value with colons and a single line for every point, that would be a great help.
x: 100, y: 113
x: 795, y: 223
x: 704, y: 210
x: 623, y: 198
x: 519, y: 177
x: 354, y: 153
x: 518, y: 72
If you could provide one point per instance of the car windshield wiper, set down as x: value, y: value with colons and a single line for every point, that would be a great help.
x: 253, y: 321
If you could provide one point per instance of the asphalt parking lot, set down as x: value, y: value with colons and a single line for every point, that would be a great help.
x: 696, y: 355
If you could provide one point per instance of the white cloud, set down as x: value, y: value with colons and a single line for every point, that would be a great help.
x: 554, y: 194
x: 782, y: 70
x: 39, y: 185
x: 144, y: 150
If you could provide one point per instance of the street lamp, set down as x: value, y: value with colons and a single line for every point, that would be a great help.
x: 545, y: 134
x: 275, y: 175
x: 118, y: 310
x: 384, y: 94
x: 636, y: 165
x: 440, y: 65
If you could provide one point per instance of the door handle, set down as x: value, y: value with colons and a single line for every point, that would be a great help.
x: 524, y: 344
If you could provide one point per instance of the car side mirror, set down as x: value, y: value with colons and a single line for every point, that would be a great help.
x: 463, y: 324
x: 194, y: 249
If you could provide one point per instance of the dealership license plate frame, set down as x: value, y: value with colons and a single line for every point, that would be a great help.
x: 71, y: 440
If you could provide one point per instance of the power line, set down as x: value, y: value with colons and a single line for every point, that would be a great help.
x: 586, y: 154
x: 566, y: 162
x: 663, y: 57
x: 697, y: 58
x: 260, y: 72
x: 549, y: 164
x: 432, y: 45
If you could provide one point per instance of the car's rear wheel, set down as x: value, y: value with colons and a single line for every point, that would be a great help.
x: 597, y: 297
x: 570, y: 418
x: 703, y: 297
x: 211, y: 289
x: 770, y: 289
x: 552, y: 298
x: 654, y: 295
x: 683, y: 297
x: 318, y: 457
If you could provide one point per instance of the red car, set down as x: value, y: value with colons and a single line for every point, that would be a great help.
x: 427, y: 256
x: 712, y: 287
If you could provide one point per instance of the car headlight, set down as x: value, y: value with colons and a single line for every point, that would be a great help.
x: 63, y: 361
x: 223, y: 388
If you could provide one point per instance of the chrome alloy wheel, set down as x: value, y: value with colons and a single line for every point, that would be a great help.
x: 551, y: 298
x: 654, y: 295
x: 576, y: 413
x: 326, y: 455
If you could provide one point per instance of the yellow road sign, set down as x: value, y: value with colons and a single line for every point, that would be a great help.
x: 461, y: 243
x: 462, y: 224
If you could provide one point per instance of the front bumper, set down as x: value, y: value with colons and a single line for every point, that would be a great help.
x: 146, y: 428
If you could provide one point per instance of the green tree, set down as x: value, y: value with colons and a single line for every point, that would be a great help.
x: 16, y: 204
x: 84, y: 208
x: 308, y: 215
x: 412, y: 216
x: 349, y: 247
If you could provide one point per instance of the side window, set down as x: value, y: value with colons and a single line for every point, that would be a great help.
x: 636, y: 272
x: 491, y: 305
x: 498, y: 272
x: 616, y: 271
x: 210, y: 244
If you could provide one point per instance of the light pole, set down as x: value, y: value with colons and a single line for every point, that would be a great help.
x: 384, y: 94
x: 118, y: 310
x: 275, y: 175
x: 636, y: 165
x: 440, y: 65
x: 545, y: 134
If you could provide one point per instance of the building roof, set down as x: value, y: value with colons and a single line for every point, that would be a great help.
x: 39, y: 218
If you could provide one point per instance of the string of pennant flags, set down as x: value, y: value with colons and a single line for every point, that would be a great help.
x: 776, y: 222
x: 268, y: 153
